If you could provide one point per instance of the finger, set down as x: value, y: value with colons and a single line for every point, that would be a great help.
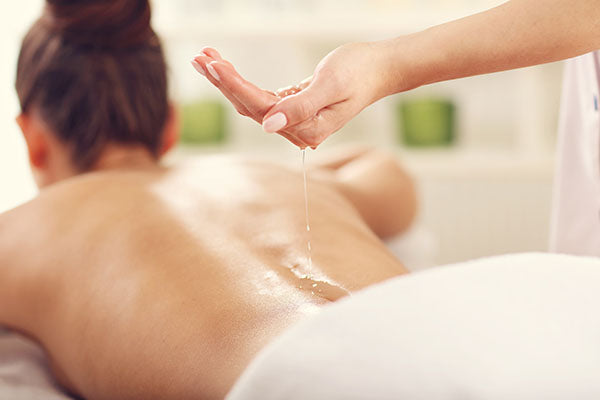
x: 293, y: 140
x: 212, y: 53
x: 232, y: 82
x: 293, y: 89
x: 297, y: 108
x: 305, y: 83
x: 229, y: 79
x: 222, y: 72
x: 246, y: 99
x: 329, y: 120
x: 198, y: 67
x: 286, y: 91
x: 204, y: 60
x: 202, y: 63
x: 257, y: 101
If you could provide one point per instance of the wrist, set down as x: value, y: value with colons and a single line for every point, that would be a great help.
x: 386, y: 79
x: 406, y: 63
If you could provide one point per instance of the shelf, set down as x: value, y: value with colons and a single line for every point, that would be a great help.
x: 437, y: 164
x: 473, y: 164
x: 307, y: 27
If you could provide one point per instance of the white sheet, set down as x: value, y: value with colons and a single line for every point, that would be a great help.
x: 24, y: 373
x: 515, y: 327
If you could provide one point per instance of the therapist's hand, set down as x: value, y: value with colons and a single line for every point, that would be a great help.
x: 344, y: 83
x: 248, y: 99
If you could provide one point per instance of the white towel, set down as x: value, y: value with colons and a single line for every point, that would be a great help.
x: 506, y: 328
x: 24, y: 372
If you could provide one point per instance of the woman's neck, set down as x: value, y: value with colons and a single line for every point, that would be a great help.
x: 125, y: 157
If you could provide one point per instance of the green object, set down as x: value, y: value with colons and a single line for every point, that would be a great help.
x: 427, y: 122
x: 203, y: 122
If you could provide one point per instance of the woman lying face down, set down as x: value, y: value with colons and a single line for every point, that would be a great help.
x: 143, y: 281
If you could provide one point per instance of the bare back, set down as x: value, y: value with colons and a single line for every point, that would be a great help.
x: 171, y: 280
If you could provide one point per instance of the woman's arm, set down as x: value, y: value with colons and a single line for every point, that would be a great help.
x: 27, y: 288
x: 376, y: 184
x: 516, y: 34
x: 11, y: 277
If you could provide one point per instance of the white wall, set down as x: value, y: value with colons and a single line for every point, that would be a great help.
x: 16, y: 184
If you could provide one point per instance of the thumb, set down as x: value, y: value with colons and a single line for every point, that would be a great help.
x: 297, y: 108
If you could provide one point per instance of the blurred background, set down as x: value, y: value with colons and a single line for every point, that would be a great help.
x: 481, y: 149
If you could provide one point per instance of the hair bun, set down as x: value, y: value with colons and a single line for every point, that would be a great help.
x: 101, y: 23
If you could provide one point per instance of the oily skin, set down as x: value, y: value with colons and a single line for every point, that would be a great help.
x: 151, y: 282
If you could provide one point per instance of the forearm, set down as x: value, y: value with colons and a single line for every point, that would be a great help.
x: 9, y: 283
x: 517, y: 34
x: 6, y: 272
x: 380, y: 190
x: 8, y: 296
x: 336, y: 158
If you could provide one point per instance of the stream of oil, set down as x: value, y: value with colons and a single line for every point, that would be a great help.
x: 308, y: 244
x: 307, y: 281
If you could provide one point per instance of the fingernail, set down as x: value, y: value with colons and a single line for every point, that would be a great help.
x: 275, y: 123
x: 212, y: 71
x: 198, y: 67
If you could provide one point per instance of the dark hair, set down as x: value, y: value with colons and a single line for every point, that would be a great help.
x: 94, y: 71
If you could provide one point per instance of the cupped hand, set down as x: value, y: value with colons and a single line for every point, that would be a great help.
x: 344, y: 83
x: 248, y: 99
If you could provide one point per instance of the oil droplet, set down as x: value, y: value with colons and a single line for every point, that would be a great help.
x: 316, y: 287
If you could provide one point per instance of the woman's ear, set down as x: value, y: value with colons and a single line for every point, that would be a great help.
x: 36, y: 140
x: 170, y: 135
